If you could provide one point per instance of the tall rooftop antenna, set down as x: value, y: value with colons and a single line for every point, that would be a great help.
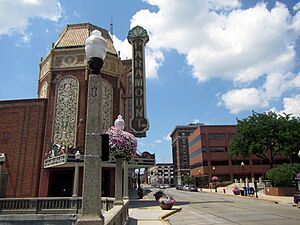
x: 111, y: 27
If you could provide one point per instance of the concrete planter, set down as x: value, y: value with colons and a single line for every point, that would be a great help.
x: 280, y: 191
x: 166, y: 206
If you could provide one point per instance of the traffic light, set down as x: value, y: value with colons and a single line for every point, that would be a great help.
x: 105, y: 147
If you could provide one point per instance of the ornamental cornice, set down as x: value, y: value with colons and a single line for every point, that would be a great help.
x: 138, y: 32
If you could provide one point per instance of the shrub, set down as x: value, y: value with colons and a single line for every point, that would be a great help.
x: 236, y: 191
x: 284, y: 175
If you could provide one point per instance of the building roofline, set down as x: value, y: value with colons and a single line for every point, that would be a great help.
x: 199, y: 125
x: 183, y: 126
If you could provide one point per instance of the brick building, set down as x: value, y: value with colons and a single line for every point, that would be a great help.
x: 180, y: 151
x: 162, y: 174
x: 22, y: 125
x: 30, y: 128
x: 208, y: 156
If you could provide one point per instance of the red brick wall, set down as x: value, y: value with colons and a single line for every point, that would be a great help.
x: 21, y: 136
x: 280, y: 191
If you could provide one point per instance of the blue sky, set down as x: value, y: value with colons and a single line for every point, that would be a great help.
x: 206, y: 61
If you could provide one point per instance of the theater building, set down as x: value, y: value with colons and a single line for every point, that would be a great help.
x: 30, y: 128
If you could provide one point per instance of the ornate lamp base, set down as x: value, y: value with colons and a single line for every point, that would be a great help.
x: 95, y: 65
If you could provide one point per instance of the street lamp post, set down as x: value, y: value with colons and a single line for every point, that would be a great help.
x: 95, y: 49
x: 76, y: 174
x: 215, y: 180
x: 243, y: 169
x: 2, y: 160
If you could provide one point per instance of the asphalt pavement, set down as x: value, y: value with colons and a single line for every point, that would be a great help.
x: 146, y: 211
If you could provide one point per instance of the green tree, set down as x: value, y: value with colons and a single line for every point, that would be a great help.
x: 266, y: 135
x: 189, y: 180
x: 284, y: 175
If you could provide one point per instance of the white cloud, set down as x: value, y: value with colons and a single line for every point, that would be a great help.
x: 292, y: 105
x: 154, y: 57
x: 15, y: 15
x: 253, y: 98
x: 221, y: 40
x: 244, y: 44
x: 196, y: 121
x: 167, y: 137
x: 277, y: 83
x: 296, y: 7
x: 243, y: 99
x: 123, y: 46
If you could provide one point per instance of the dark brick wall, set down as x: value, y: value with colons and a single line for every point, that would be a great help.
x: 21, y: 136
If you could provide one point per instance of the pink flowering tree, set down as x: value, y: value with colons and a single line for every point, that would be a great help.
x: 121, y: 143
x: 214, y: 178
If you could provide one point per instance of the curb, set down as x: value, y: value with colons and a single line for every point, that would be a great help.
x: 162, y: 218
x: 259, y: 199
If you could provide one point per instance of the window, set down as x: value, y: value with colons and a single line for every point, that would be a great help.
x: 281, y: 161
x: 199, y: 164
x: 196, y: 152
x: 217, y: 149
x: 260, y: 162
x: 219, y: 163
x: 197, y: 139
x: 238, y: 162
x: 216, y: 136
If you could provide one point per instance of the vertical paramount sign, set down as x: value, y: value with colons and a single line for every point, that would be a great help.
x: 138, y: 38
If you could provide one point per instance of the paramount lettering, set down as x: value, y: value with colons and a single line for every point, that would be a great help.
x: 138, y: 74
x: 139, y: 92
x: 138, y: 82
x: 139, y: 112
x: 138, y: 37
x: 139, y: 102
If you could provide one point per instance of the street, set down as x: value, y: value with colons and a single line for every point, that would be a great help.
x: 211, y: 208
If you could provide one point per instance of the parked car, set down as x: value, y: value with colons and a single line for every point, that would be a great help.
x: 179, y: 187
x: 186, y: 187
x: 193, y: 188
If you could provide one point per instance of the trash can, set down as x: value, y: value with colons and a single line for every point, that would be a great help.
x: 242, y: 192
x: 246, y: 191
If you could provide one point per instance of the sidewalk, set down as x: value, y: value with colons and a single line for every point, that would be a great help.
x: 261, y: 196
x: 145, y: 211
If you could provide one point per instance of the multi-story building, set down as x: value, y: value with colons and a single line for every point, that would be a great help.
x: 162, y: 174
x: 180, y: 150
x: 30, y: 128
x: 208, y: 152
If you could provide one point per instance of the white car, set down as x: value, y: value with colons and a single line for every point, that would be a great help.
x: 186, y: 187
